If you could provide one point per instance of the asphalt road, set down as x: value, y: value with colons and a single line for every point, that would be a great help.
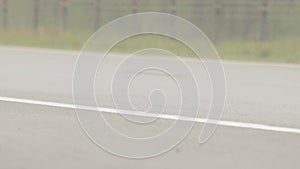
x: 37, y: 136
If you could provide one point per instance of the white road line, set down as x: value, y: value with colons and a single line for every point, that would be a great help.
x: 162, y: 116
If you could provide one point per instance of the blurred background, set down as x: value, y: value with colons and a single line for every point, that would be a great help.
x: 252, y: 30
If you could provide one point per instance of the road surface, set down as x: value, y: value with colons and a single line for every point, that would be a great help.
x: 262, y: 105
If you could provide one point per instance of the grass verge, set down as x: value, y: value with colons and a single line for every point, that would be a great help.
x: 281, y: 50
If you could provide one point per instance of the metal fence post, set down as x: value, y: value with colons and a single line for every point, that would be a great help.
x: 217, y: 20
x: 64, y: 15
x: 97, y: 14
x: 36, y: 9
x: 4, y: 11
x: 134, y: 6
x: 173, y: 7
x: 264, y: 21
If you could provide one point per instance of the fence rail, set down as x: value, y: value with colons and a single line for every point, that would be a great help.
x: 220, y: 19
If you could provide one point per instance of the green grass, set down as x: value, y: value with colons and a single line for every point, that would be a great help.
x: 281, y: 50
x: 55, y: 40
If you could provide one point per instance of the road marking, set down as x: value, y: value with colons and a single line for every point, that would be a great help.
x: 162, y: 116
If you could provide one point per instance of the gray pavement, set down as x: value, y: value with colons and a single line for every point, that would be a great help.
x: 33, y: 136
